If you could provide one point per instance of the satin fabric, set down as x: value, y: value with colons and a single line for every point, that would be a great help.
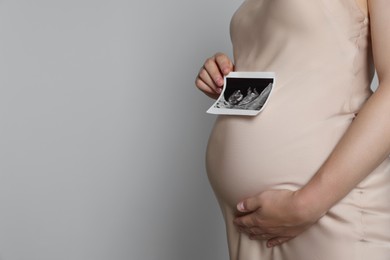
x: 321, y: 54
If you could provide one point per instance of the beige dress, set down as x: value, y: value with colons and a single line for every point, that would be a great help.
x: 321, y: 54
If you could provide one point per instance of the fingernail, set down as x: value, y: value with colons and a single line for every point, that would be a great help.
x: 240, y: 206
x: 219, y: 81
x: 225, y: 71
x: 219, y: 90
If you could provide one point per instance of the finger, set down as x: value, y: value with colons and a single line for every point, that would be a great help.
x: 215, y: 74
x: 205, y: 88
x: 246, y: 221
x: 251, y: 230
x: 277, y: 241
x: 213, y: 96
x: 260, y: 237
x: 256, y: 231
x: 224, y: 63
x: 206, y: 78
x: 248, y: 205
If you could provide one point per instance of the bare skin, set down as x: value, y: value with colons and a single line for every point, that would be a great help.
x: 363, y: 5
x: 210, y: 76
x: 281, y: 215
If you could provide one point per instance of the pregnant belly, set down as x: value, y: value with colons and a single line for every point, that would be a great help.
x: 248, y: 155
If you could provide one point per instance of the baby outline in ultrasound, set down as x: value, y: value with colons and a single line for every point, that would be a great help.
x: 252, y: 101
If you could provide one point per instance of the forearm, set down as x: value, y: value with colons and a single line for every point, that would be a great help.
x: 363, y: 147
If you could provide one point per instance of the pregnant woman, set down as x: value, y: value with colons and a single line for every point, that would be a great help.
x: 309, y: 177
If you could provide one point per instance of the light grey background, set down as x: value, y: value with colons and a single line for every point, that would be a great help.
x: 102, y: 132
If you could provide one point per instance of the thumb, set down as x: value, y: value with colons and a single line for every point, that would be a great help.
x: 248, y: 205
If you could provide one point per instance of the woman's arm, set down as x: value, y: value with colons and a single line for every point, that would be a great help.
x: 282, y: 215
x: 367, y: 141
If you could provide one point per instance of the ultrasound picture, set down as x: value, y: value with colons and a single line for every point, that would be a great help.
x: 250, y: 99
x: 244, y: 93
